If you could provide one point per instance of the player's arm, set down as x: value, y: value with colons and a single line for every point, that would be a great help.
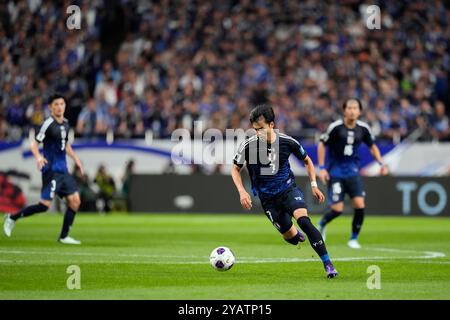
x: 39, y: 138
x: 376, y: 154
x: 323, y: 173
x: 40, y: 160
x: 300, y: 153
x: 74, y: 157
x: 309, y: 165
x: 238, y: 163
x: 369, y: 140
x: 246, y: 200
x: 326, y: 138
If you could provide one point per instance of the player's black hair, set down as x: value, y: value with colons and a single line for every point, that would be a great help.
x: 355, y: 99
x: 55, y: 96
x: 264, y: 111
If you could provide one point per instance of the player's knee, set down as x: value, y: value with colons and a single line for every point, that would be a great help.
x: 74, y: 203
x: 338, y: 207
x: 300, y: 213
x: 358, y: 203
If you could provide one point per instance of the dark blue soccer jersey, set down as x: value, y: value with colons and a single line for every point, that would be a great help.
x: 54, y: 137
x: 343, y: 144
x: 268, y: 164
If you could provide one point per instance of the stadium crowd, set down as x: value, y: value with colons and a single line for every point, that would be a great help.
x: 135, y: 66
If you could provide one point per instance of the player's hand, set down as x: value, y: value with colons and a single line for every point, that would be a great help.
x: 318, y: 194
x: 41, y: 162
x: 324, y: 176
x: 245, y: 199
x: 384, y: 171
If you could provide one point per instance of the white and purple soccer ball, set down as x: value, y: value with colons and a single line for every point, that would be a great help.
x: 222, y: 259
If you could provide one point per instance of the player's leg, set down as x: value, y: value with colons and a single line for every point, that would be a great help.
x: 40, y: 207
x: 336, y: 198
x: 47, y: 195
x: 73, y: 204
x: 10, y: 219
x: 282, y: 222
x: 357, y: 194
x: 315, y: 239
x: 69, y: 190
x: 293, y: 202
x: 358, y: 219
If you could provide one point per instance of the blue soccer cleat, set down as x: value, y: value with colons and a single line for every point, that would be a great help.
x: 330, y: 270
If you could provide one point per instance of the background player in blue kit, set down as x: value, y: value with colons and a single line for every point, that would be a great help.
x: 343, y: 138
x: 266, y: 156
x: 55, y: 177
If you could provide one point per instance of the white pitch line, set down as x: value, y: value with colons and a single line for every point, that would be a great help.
x: 425, y: 255
x: 428, y: 254
x: 239, y: 261
x: 97, y: 254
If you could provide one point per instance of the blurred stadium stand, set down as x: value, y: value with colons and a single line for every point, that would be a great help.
x: 138, y: 67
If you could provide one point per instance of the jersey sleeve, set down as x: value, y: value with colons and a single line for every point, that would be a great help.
x: 241, y: 154
x: 368, y: 137
x: 297, y: 150
x: 43, y: 130
x: 328, y: 135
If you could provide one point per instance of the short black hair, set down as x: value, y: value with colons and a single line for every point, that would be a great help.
x: 355, y: 99
x: 264, y: 111
x: 55, y: 96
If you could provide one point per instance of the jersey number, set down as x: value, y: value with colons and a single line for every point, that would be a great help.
x: 272, y: 159
x: 348, y: 149
x: 52, y: 189
x: 63, y: 138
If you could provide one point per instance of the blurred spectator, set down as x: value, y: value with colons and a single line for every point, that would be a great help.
x: 131, y: 122
x: 129, y: 170
x: 440, y: 123
x: 107, y: 91
x: 107, y: 187
x: 91, y: 121
x: 36, y: 113
x: 396, y: 129
x: 3, y: 127
x: 112, y: 119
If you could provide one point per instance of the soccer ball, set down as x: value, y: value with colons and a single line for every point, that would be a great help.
x: 222, y: 259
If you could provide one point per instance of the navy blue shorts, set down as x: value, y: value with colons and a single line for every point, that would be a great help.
x: 338, y: 187
x: 279, y: 209
x: 62, y: 184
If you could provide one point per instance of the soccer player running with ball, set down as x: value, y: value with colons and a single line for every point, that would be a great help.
x: 55, y: 177
x: 343, y: 138
x: 266, y: 156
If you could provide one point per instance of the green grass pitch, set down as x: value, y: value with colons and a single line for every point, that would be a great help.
x: 165, y: 256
